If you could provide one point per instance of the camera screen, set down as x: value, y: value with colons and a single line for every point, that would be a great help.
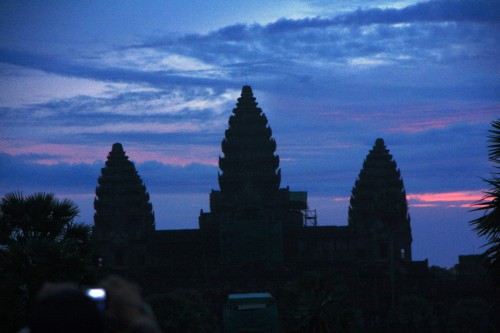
x: 99, y: 296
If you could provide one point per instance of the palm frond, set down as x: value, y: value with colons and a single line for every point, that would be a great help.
x: 12, y: 205
x: 78, y: 231
x: 65, y: 211
x: 494, y: 138
x: 488, y: 225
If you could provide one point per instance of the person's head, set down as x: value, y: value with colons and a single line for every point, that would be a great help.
x: 65, y: 308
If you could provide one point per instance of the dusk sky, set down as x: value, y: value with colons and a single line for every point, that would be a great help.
x: 162, y: 77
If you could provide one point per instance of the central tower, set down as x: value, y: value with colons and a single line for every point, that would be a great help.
x: 378, y: 210
x: 250, y: 174
x: 251, y: 218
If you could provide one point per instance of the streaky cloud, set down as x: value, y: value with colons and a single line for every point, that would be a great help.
x: 300, y: 50
x: 24, y: 173
x: 430, y: 11
x: 480, y: 11
x: 447, y: 197
x: 72, y: 69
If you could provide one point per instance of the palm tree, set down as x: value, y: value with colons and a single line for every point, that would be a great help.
x: 319, y: 302
x: 39, y: 242
x: 488, y: 225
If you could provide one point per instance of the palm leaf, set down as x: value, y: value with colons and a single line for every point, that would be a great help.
x: 78, y: 231
x: 494, y: 138
x: 488, y: 225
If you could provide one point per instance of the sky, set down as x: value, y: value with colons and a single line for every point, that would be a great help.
x: 162, y: 78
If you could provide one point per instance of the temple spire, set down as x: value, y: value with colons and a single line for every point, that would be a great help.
x: 122, y: 205
x: 378, y: 204
x: 250, y: 169
x: 379, y: 187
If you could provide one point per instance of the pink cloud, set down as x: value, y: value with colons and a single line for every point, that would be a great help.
x: 420, y: 126
x: 424, y: 205
x: 423, y: 117
x: 433, y: 117
x: 58, y: 153
x: 464, y: 199
x: 179, y: 155
x: 449, y: 199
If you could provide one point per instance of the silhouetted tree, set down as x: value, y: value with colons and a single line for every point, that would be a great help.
x: 412, y: 314
x: 39, y: 242
x: 318, y: 303
x: 488, y: 225
x: 470, y: 315
x: 183, y: 311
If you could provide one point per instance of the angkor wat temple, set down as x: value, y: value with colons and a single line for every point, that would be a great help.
x: 256, y: 233
x: 260, y: 237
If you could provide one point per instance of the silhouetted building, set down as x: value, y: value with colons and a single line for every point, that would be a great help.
x: 258, y: 237
x: 378, y: 211
x: 255, y: 232
x: 124, y: 219
x: 251, y: 216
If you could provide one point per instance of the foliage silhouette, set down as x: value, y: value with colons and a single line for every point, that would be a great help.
x: 39, y: 242
x: 319, y: 303
x: 183, y: 311
x: 413, y: 314
x: 470, y: 315
x: 488, y: 225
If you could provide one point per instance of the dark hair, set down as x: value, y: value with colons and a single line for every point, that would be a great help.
x: 68, y: 311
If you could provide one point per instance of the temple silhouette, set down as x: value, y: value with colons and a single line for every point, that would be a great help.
x: 257, y: 234
x: 260, y: 238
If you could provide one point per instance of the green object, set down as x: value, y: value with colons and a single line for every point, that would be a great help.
x: 252, y: 312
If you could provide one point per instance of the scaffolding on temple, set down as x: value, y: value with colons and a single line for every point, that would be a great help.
x: 310, y: 218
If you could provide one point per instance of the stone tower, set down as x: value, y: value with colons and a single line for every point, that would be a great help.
x: 250, y: 213
x: 378, y: 211
x: 249, y: 167
x: 124, y: 217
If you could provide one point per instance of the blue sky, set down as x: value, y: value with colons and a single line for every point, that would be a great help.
x: 162, y: 77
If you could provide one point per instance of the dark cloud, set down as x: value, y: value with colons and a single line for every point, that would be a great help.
x: 321, y: 50
x: 193, y: 178
x: 431, y: 11
x: 69, y: 68
x: 22, y: 173
x: 306, y: 49
x: 481, y: 11
x: 85, y: 119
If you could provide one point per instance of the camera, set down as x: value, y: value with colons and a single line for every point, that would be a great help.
x: 99, y: 296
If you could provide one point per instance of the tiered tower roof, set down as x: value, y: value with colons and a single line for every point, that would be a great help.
x: 122, y: 203
x: 249, y: 166
x: 378, y: 198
